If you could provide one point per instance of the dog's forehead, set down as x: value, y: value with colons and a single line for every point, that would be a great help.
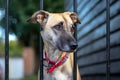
x: 55, y: 18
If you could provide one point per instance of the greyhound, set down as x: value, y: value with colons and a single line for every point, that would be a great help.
x: 59, y: 43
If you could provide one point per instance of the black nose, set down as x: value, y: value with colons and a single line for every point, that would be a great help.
x: 73, y: 45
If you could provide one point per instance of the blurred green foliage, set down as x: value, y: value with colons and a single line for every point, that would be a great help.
x: 20, y: 11
x: 15, y: 49
x: 1, y: 47
x: 34, y: 77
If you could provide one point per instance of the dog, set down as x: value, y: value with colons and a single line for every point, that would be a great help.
x: 59, y: 43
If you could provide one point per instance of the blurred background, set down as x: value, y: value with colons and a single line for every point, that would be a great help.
x: 23, y: 37
x: 91, y: 36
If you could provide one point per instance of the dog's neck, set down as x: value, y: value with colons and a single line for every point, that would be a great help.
x: 52, y: 52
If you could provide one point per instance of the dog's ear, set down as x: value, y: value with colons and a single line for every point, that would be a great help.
x: 40, y: 16
x: 74, y: 17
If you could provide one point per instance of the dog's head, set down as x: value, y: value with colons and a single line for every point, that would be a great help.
x: 57, y: 28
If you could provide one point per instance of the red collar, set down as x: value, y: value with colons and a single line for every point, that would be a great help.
x: 54, y: 64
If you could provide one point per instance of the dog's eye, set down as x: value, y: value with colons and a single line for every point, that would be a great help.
x: 59, y: 26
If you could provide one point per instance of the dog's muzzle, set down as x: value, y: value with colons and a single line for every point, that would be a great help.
x: 67, y: 46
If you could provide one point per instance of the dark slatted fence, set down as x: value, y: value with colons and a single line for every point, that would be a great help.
x: 93, y: 38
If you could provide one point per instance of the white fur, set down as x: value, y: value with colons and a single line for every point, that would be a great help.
x: 60, y: 76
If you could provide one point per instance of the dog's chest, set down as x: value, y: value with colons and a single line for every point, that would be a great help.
x: 61, y: 76
x: 57, y: 75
